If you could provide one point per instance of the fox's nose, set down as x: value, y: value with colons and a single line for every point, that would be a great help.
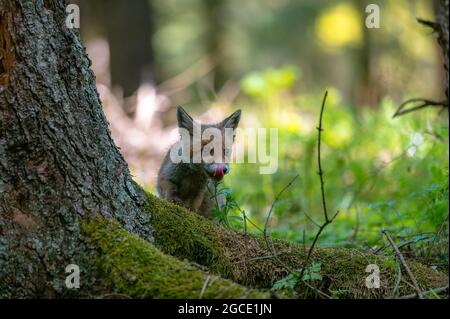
x: 219, y: 170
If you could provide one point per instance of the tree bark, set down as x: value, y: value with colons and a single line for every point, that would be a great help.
x: 442, y: 20
x: 58, y: 161
x: 66, y: 195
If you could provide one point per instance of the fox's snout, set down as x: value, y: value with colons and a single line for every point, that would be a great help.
x: 217, y: 170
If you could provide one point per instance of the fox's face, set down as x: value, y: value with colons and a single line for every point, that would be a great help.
x: 211, y: 143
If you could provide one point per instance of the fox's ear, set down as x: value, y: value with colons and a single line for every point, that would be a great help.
x: 233, y: 120
x: 184, y: 120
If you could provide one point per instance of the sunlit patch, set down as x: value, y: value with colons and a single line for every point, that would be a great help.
x: 267, y: 82
x: 290, y: 121
x: 339, y: 26
x: 339, y: 130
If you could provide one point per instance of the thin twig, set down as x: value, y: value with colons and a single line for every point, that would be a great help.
x: 245, y: 232
x: 434, y: 290
x: 312, y: 220
x: 397, y: 281
x: 205, y: 284
x: 320, y: 292
x: 248, y: 219
x: 430, y: 24
x: 403, y: 261
x: 269, y: 215
x: 437, y: 236
x: 319, y: 161
x: 418, y: 103
x: 269, y: 243
x: 322, y: 188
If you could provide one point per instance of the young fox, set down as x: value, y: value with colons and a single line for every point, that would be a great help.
x: 192, y: 183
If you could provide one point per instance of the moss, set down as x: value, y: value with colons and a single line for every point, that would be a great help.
x: 181, y: 233
x: 246, y: 259
x: 138, y: 269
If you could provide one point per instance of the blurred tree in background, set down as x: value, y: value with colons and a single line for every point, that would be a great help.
x: 128, y: 29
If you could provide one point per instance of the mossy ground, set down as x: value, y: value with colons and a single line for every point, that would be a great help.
x: 246, y: 259
x: 138, y: 269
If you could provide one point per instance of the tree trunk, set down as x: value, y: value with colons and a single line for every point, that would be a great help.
x: 442, y: 19
x: 58, y: 161
x: 128, y: 27
x: 214, y: 38
x: 66, y: 195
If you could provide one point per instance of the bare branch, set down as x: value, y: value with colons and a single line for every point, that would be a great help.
x: 312, y: 220
x: 418, y: 103
x: 267, y: 238
x: 430, y: 24
x: 324, y: 203
x: 319, y: 161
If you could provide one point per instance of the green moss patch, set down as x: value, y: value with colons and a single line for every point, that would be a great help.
x: 138, y: 269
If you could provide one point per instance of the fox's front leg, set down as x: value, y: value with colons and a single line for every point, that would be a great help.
x: 211, y: 200
x: 169, y: 191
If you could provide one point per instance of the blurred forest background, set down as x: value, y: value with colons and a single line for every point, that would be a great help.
x: 274, y: 59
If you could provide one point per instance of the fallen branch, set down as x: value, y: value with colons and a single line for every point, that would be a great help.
x: 403, y: 261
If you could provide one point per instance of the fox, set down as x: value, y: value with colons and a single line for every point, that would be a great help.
x: 192, y: 184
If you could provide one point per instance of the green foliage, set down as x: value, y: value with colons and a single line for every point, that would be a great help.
x: 313, y: 272
x: 289, y: 283
x: 229, y: 215
x: 380, y: 172
x: 268, y: 82
x: 244, y: 258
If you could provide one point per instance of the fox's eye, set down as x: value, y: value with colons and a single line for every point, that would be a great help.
x: 212, y: 152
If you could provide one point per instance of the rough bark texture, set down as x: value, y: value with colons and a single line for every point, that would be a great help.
x: 442, y: 19
x: 58, y: 161
x: 66, y: 195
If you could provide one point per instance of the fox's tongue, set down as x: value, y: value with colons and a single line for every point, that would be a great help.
x: 218, y: 172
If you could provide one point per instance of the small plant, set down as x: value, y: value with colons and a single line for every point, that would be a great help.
x: 229, y: 212
x: 290, y: 282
